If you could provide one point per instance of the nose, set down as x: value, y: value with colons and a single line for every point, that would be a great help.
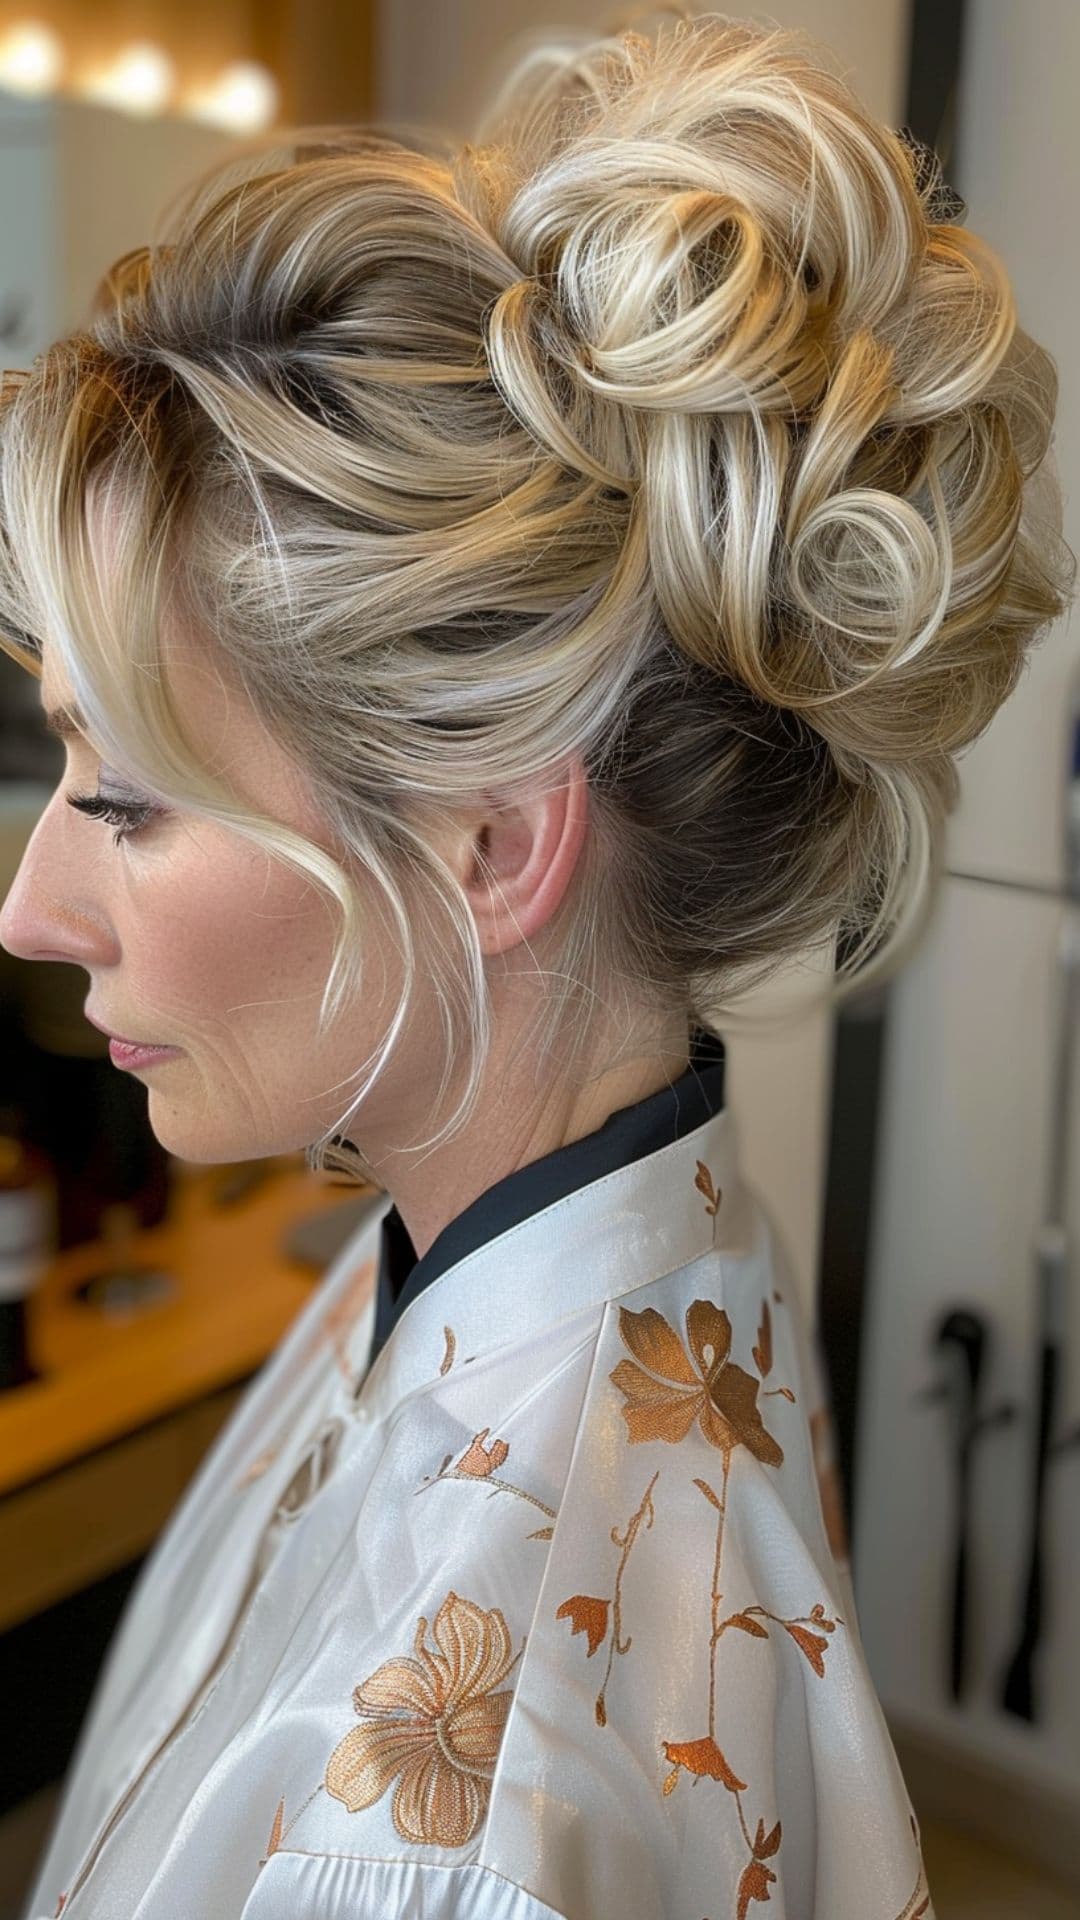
x: 46, y: 914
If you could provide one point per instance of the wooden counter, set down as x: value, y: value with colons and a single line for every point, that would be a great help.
x: 95, y: 1454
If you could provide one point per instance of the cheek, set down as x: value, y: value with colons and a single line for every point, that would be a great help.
x: 233, y: 948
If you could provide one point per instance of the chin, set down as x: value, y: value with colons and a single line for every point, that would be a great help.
x: 210, y: 1141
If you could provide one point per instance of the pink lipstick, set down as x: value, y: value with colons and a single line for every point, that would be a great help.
x: 123, y: 1055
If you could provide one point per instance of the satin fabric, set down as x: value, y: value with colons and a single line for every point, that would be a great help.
x: 537, y: 1615
x: 655, y: 1120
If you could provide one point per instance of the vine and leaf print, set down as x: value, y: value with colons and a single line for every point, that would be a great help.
x: 670, y: 1385
x: 481, y: 1462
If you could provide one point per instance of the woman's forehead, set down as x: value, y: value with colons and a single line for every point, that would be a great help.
x: 57, y: 700
x: 224, y: 731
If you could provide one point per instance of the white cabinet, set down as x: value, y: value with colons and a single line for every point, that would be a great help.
x: 962, y: 1153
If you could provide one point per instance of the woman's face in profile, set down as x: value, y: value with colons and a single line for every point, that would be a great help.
x: 192, y: 938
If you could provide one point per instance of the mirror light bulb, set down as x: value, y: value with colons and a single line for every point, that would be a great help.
x: 244, y: 99
x: 31, y: 58
x: 139, y: 80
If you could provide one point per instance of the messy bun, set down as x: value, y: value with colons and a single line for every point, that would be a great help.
x: 816, y: 402
x: 664, y: 423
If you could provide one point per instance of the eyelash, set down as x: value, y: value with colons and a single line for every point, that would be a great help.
x: 125, y: 816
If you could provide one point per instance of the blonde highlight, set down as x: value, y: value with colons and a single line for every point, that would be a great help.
x: 660, y: 424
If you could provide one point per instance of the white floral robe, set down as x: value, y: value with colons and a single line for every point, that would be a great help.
x: 537, y: 1617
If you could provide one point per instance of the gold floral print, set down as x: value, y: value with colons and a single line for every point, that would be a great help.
x: 339, y: 1320
x: 756, y: 1877
x: 703, y: 1181
x: 480, y: 1462
x: 451, y: 1344
x: 702, y: 1757
x: 279, y: 1830
x: 274, y: 1841
x: 586, y: 1615
x: 666, y: 1389
x: 668, y: 1386
x: 589, y: 1615
x: 434, y: 1725
x: 763, y: 1354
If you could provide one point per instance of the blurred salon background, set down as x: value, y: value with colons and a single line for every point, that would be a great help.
x: 919, y: 1150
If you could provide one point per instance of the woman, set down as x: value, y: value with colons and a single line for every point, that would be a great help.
x: 579, y: 556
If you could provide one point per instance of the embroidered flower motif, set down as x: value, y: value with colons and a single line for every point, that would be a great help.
x: 701, y: 1758
x: 482, y: 1463
x: 703, y: 1181
x: 478, y: 1461
x: 586, y: 1615
x: 435, y: 1726
x: 668, y: 1390
x: 756, y: 1878
x: 274, y: 1841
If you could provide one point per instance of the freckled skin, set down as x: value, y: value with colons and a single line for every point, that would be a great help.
x: 193, y: 938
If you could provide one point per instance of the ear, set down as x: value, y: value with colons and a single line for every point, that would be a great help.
x: 520, y: 855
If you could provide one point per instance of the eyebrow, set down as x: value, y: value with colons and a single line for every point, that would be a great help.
x: 65, y: 722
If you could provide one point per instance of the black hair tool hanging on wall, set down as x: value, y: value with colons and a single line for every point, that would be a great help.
x: 966, y: 1333
x: 1052, y: 1243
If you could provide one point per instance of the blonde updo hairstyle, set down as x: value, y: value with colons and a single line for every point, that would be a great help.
x: 662, y: 423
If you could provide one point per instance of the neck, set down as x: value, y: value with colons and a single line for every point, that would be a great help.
x: 515, y: 1122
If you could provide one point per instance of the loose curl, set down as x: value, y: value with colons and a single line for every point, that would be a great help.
x: 661, y: 423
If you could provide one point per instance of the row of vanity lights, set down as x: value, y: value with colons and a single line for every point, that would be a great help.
x: 141, y: 79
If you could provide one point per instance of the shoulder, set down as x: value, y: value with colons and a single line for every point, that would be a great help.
x: 694, y: 1472
x: 693, y: 1666
x: 709, y: 1376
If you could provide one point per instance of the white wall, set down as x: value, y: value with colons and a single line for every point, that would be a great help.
x: 435, y: 58
x: 80, y: 184
x: 1018, y: 151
